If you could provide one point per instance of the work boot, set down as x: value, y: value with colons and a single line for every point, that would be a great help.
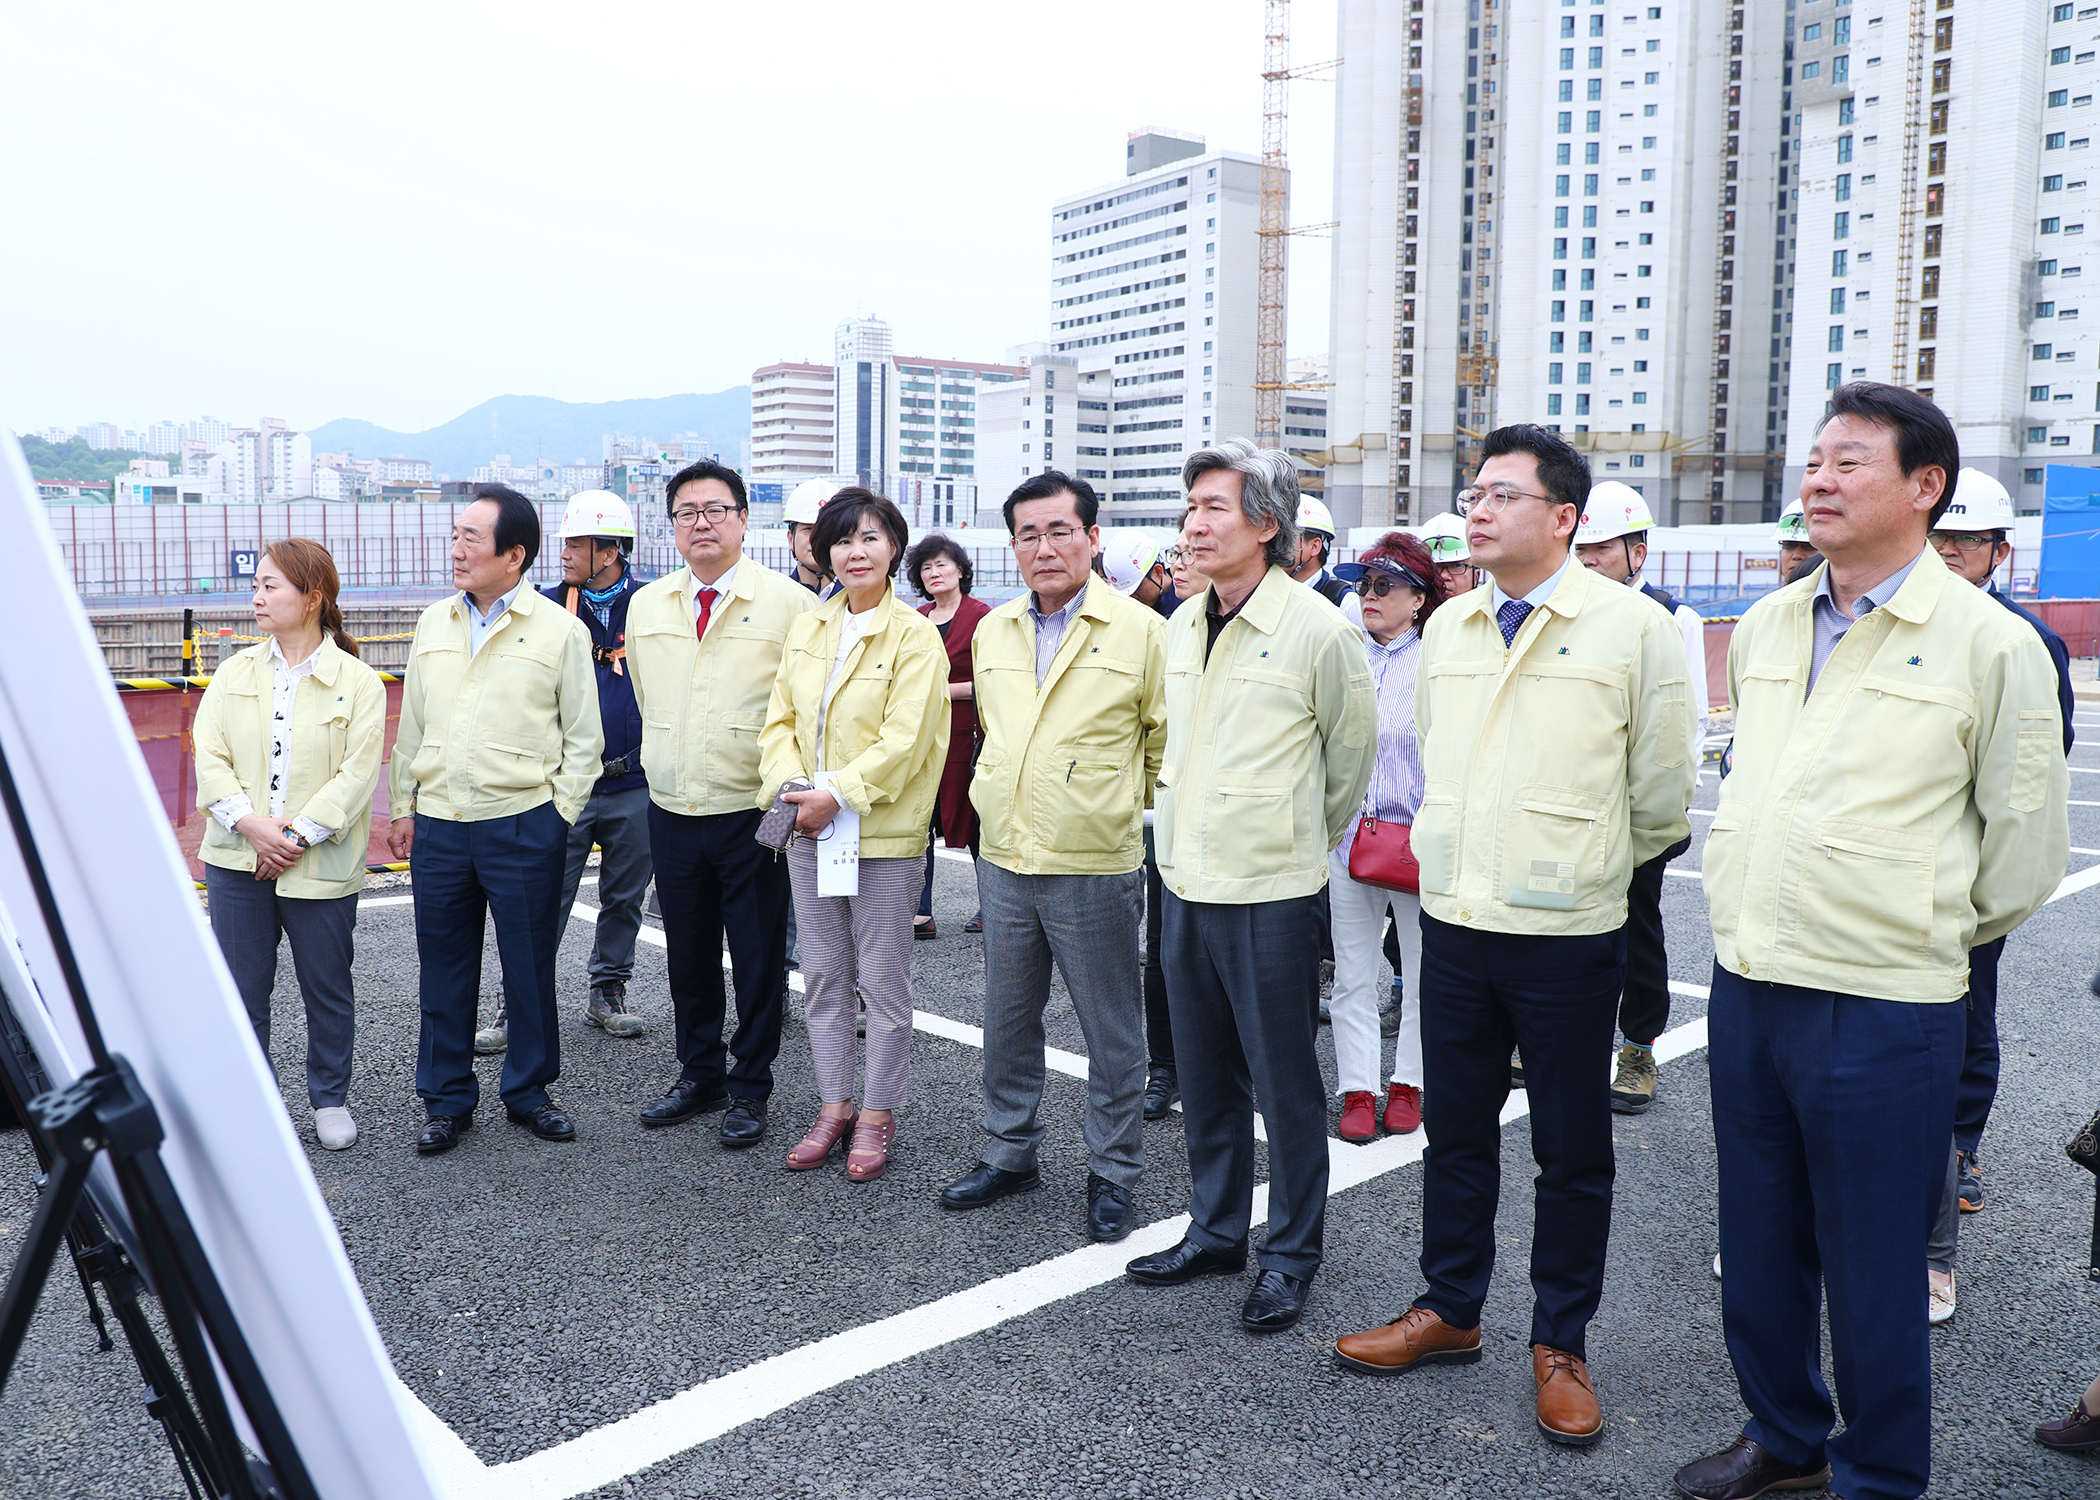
x: 1968, y: 1182
x: 1389, y: 1015
x: 608, y: 1010
x: 1162, y: 1088
x: 1633, y: 1085
x: 495, y: 1036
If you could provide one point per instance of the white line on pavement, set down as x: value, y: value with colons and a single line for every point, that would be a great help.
x: 2084, y: 880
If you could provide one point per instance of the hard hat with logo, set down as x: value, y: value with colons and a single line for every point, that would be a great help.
x: 1128, y: 553
x: 806, y: 499
x: 597, y: 513
x: 1613, y: 510
x: 1980, y: 503
x: 1445, y: 537
x: 1793, y: 526
x: 1313, y: 515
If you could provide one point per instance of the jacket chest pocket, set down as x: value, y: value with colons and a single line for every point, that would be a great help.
x: 1553, y: 853
x: 1458, y: 694
x: 1930, y: 723
x: 1264, y: 718
x: 1579, y: 709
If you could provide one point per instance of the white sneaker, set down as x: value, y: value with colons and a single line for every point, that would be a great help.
x: 1717, y: 1265
x: 337, y: 1131
x: 1939, y: 1301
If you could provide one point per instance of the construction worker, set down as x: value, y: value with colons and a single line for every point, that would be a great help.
x: 800, y: 516
x: 1131, y: 560
x: 1612, y: 539
x: 1970, y: 538
x: 1445, y: 537
x: 1797, y: 554
x: 1315, y: 544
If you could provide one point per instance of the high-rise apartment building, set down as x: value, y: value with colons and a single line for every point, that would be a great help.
x: 905, y: 417
x: 791, y: 422
x: 864, y: 386
x: 1944, y: 212
x: 1567, y: 214
x: 1152, y: 292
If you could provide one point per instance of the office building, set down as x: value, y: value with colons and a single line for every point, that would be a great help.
x: 1018, y: 429
x: 1570, y: 214
x: 791, y: 422
x: 898, y: 416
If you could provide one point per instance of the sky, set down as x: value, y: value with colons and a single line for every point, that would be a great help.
x: 395, y: 211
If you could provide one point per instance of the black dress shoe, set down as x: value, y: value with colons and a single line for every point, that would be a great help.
x: 1277, y: 1301
x: 1185, y: 1262
x: 985, y: 1183
x: 442, y: 1132
x: 1743, y: 1470
x: 1108, y: 1215
x: 547, y: 1122
x: 745, y: 1123
x: 1162, y: 1088
x: 682, y: 1100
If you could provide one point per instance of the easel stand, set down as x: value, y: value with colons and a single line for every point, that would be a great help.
x: 106, y: 1112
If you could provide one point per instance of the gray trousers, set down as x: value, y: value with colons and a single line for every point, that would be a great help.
x: 858, y: 948
x: 1088, y: 926
x: 1941, y: 1247
x: 618, y: 823
x: 249, y: 918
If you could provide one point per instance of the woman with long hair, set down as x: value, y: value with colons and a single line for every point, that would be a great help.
x: 940, y: 573
x: 1400, y: 589
x: 288, y: 744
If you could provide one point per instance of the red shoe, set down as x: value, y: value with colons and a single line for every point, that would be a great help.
x: 1403, y: 1108
x: 1359, y: 1117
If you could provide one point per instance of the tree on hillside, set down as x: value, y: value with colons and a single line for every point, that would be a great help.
x: 76, y: 460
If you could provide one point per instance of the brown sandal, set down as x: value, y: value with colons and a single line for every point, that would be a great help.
x: 814, y: 1149
x: 869, y: 1156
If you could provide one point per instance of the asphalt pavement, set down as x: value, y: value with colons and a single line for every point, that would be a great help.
x: 533, y: 1293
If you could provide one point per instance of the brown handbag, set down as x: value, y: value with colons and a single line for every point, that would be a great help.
x: 1382, y: 856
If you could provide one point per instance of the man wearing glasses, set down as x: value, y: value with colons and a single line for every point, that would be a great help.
x: 704, y: 644
x: 1556, y: 756
x: 1071, y: 698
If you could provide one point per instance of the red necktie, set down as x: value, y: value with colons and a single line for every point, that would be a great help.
x: 707, y: 607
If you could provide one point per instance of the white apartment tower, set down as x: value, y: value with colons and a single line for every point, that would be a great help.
x: 792, y: 412
x: 1951, y: 137
x: 1152, y: 293
x: 1569, y: 214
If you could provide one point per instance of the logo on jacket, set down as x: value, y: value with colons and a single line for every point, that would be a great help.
x: 1915, y: 661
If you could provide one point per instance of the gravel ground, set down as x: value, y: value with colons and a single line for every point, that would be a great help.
x: 531, y: 1292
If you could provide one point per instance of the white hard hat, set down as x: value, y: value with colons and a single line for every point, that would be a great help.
x: 597, y: 513
x: 1128, y: 553
x: 1445, y: 537
x: 1313, y: 515
x: 1613, y: 510
x: 1793, y: 526
x: 1980, y: 503
x: 806, y: 499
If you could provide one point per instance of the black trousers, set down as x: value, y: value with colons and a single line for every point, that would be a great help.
x: 1644, y: 1008
x: 712, y: 878
x: 1978, y: 1088
x: 1159, y: 1026
x: 1553, y: 997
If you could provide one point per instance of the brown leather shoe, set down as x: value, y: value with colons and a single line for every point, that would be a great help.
x: 1568, y: 1411
x: 1417, y: 1337
x: 2072, y: 1434
x: 1743, y: 1471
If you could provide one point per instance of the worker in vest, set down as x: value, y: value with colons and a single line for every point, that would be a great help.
x: 799, y: 515
x: 1445, y: 537
x: 1315, y: 546
x: 597, y: 536
x: 1612, y: 539
x: 1797, y: 554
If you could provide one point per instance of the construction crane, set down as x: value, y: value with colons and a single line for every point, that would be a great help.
x: 1270, y: 321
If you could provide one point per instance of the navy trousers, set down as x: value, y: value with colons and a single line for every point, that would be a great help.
x: 712, y: 878
x: 1243, y: 984
x: 1978, y: 1088
x: 1831, y: 1119
x: 1557, y: 1000
x: 465, y: 873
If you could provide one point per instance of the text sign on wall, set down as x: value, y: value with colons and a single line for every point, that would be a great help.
x: 240, y: 563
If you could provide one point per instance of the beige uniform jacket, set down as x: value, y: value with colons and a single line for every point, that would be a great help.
x: 1912, y: 807
x: 1553, y: 765
x: 1067, y: 769
x: 338, y: 728
x: 702, y: 706
x: 1269, y: 747
x: 496, y: 733
x: 886, y: 733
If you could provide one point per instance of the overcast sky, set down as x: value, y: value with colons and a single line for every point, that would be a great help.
x: 396, y: 210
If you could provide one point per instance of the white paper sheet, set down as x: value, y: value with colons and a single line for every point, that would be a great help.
x: 838, y: 849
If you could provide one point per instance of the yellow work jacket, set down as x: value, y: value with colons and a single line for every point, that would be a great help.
x: 703, y: 705
x: 1067, y: 769
x: 886, y: 734
x: 1269, y: 746
x: 332, y: 770
x: 1553, y: 765
x: 1912, y: 807
x: 496, y: 733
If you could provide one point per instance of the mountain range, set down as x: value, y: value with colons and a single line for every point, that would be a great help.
x: 539, y: 427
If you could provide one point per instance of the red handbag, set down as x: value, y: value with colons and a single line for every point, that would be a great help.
x: 1381, y: 856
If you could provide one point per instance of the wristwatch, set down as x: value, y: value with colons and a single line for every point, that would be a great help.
x: 296, y: 836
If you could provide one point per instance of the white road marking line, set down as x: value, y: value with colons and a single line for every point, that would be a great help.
x: 2074, y: 802
x: 1684, y: 874
x: 2084, y: 880
x: 2076, y: 850
x: 1695, y: 991
x: 1702, y: 812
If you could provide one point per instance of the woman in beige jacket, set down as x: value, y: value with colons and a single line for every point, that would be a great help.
x: 288, y: 743
x: 861, y: 699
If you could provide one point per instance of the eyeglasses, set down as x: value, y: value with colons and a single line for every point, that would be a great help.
x: 1493, y: 499
x: 1057, y: 536
x: 1964, y: 541
x: 689, y: 515
x: 1172, y: 557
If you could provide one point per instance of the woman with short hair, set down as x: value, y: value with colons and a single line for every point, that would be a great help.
x: 940, y: 573
x: 859, y: 720
x: 288, y: 742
